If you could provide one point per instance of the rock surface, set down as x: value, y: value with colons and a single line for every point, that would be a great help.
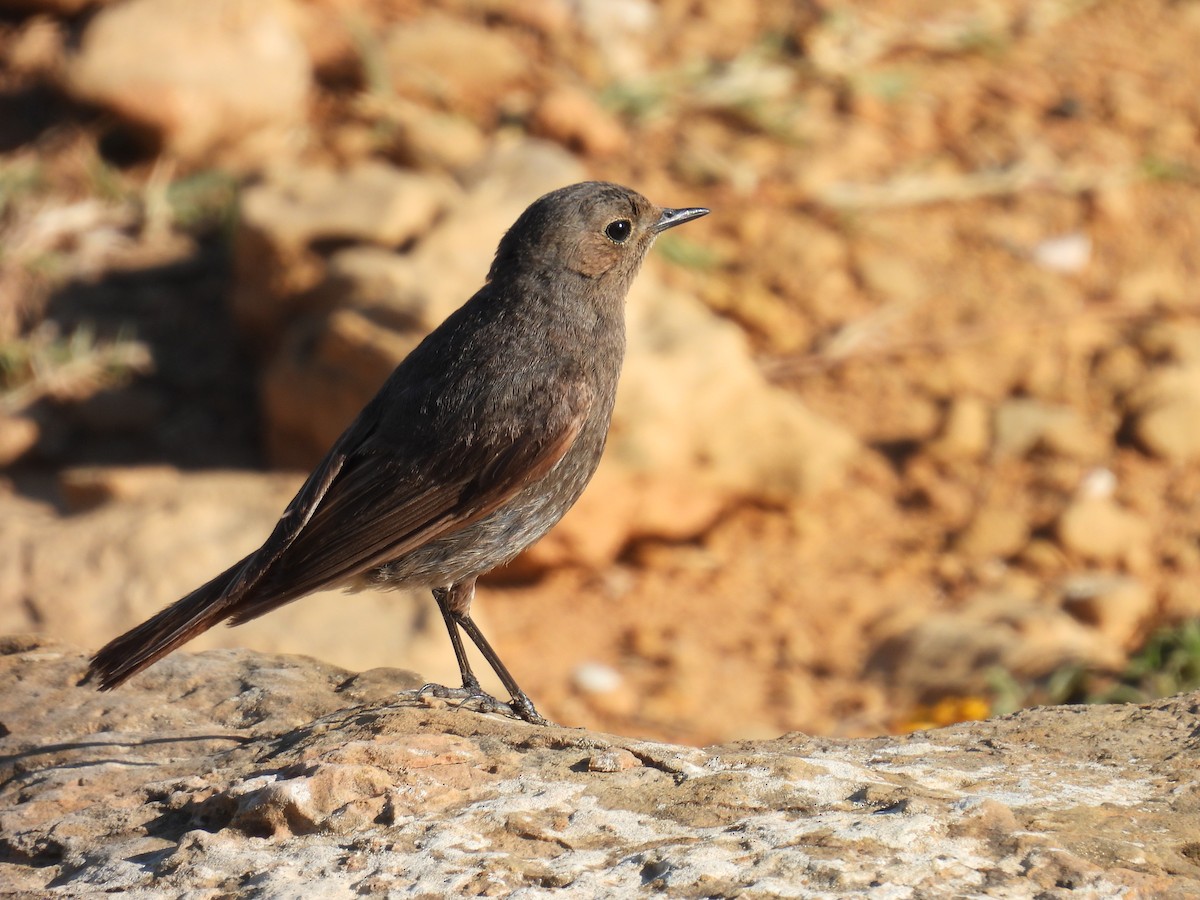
x: 181, y: 70
x: 234, y: 774
x: 282, y: 221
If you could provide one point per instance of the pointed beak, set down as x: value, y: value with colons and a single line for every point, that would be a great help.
x: 672, y: 217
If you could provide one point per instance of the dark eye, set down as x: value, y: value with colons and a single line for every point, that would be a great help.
x: 618, y: 231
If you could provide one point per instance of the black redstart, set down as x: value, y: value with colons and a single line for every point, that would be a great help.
x: 475, y: 446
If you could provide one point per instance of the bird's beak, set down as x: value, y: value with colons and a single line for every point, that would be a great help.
x: 672, y: 217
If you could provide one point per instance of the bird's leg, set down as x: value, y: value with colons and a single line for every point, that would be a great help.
x: 470, y: 683
x: 520, y: 702
x: 454, y: 602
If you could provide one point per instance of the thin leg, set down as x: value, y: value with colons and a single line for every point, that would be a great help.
x: 454, y: 603
x: 470, y: 682
x: 521, y: 703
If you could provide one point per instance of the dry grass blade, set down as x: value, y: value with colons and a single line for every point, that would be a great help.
x: 72, y: 369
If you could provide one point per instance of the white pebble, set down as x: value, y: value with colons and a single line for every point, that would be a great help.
x: 596, y: 678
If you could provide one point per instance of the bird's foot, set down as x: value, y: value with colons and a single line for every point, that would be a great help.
x: 475, y: 697
x: 523, y: 707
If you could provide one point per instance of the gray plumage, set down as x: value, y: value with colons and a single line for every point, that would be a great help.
x: 475, y: 446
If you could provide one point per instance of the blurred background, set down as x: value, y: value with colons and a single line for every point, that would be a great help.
x: 910, y: 425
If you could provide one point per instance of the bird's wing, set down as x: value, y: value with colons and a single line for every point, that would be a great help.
x: 358, y: 511
x: 298, y: 513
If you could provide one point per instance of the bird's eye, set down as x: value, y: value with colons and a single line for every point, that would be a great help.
x: 618, y: 231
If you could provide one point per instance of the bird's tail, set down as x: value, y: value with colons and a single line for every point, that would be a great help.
x: 125, y: 656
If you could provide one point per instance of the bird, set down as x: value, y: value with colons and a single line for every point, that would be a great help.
x: 475, y: 446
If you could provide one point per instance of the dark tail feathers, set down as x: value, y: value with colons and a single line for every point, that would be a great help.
x: 125, y: 656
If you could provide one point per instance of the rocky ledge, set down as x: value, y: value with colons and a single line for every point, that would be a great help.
x: 230, y: 773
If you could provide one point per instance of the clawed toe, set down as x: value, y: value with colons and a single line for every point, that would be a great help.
x: 474, y: 697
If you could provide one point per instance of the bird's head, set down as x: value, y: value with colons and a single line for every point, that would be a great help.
x: 593, y: 231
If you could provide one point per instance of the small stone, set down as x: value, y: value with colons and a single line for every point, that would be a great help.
x: 1119, y: 369
x: 995, y: 532
x: 91, y: 486
x: 1071, y: 437
x: 596, y: 678
x: 1160, y: 286
x: 453, y: 63
x: 1023, y: 424
x: 1067, y: 253
x: 1167, y: 413
x: 283, y: 221
x: 183, y: 70
x: 37, y: 48
x: 966, y: 430
x: 1043, y: 557
x: 604, y: 689
x: 370, y: 201
x: 571, y: 117
x: 1181, y: 600
x: 615, y: 760
x: 1171, y: 341
x: 429, y: 139
x: 1098, y: 528
x: 373, y: 278
x: 1098, y: 483
x: 1116, y: 606
x: 18, y: 435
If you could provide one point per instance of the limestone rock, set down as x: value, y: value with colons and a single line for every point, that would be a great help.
x: 1022, y: 424
x: 996, y: 532
x: 1100, y: 529
x: 1166, y: 413
x: 253, y: 775
x: 571, y: 117
x: 1174, y: 341
x: 966, y: 431
x: 430, y: 139
x: 181, y: 69
x: 17, y: 435
x: 1115, y: 605
x: 692, y: 401
x: 284, y: 221
x: 992, y: 629
x: 451, y: 262
x: 452, y: 63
